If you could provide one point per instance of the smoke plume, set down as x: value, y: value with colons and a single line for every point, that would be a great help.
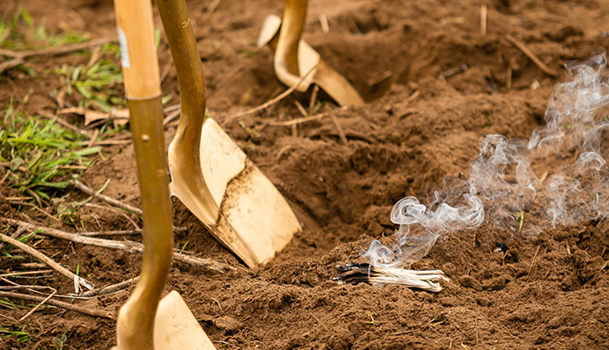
x: 560, y: 171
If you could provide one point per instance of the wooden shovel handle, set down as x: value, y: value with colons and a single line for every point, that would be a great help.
x: 135, y: 322
x: 135, y: 32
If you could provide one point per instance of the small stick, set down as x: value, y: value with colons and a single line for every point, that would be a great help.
x: 519, y: 44
x: 543, y: 178
x: 82, y: 310
x: 128, y: 246
x: 171, y: 117
x: 121, y: 213
x: 15, y: 235
x: 110, y: 288
x: 24, y: 273
x: 39, y: 304
x: 273, y: 101
x: 412, y: 97
x: 10, y: 64
x: 211, y: 8
x: 64, y: 123
x: 533, y: 260
x: 93, y: 138
x: 313, y: 100
x: 112, y: 233
x: 35, y: 207
x: 483, y: 18
x: 297, y: 121
x: 323, y: 21
x: 45, y: 259
x: 55, y: 50
x: 5, y: 177
x: 341, y: 133
x: 301, y: 109
x: 88, y: 190
x: 123, y: 232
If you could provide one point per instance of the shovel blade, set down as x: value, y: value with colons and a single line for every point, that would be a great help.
x: 332, y: 82
x: 175, y: 327
x: 255, y: 221
x: 335, y: 85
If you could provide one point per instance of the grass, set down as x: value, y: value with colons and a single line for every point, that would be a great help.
x: 42, y: 156
x: 19, y: 32
x: 521, y: 223
x: 98, y: 85
x: 19, y: 334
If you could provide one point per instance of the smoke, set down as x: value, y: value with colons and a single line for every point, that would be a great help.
x: 567, y: 153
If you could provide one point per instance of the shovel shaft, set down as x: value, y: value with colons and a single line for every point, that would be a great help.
x: 181, y: 39
x: 184, y: 150
x: 141, y: 74
x: 294, y: 15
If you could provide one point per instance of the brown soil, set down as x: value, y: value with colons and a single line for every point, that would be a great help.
x: 547, y: 292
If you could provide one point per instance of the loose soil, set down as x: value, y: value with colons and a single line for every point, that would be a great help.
x: 547, y: 292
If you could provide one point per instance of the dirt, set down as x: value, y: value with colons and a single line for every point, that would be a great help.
x: 422, y: 121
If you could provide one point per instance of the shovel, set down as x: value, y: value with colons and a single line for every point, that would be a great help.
x: 143, y: 322
x: 293, y: 58
x: 210, y: 174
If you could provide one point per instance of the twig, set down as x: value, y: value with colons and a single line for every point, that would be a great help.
x: 171, y: 117
x: 15, y: 235
x: 301, y: 109
x: 341, y: 133
x: 121, y: 213
x: 112, y: 233
x: 82, y: 310
x: 111, y: 288
x: 93, y: 138
x: 10, y: 64
x: 55, y: 50
x: 33, y: 289
x: 533, y: 260
x: 24, y: 273
x: 313, y: 100
x: 543, y: 178
x: 412, y: 97
x: 323, y: 21
x: 519, y: 44
x: 128, y: 246
x: 211, y: 8
x: 275, y: 100
x: 88, y: 190
x: 39, y: 304
x: 123, y: 232
x: 35, y: 207
x: 483, y: 18
x: 45, y: 259
x: 298, y: 120
x: 5, y: 177
x: 64, y: 123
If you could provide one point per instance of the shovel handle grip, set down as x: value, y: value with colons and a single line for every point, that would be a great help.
x: 135, y: 31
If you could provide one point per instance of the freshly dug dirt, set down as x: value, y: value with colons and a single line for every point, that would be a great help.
x: 423, y: 119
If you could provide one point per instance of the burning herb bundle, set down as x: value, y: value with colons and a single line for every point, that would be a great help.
x: 379, y: 276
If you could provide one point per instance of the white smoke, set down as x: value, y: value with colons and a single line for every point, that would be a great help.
x: 567, y: 153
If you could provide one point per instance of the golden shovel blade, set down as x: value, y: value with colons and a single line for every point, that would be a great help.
x: 175, y: 327
x: 309, y: 62
x: 247, y: 213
